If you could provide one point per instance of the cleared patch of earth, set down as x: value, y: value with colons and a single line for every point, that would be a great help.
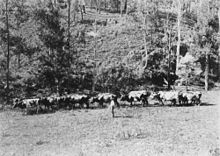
x: 135, y: 131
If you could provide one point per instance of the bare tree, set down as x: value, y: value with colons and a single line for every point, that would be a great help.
x: 179, y: 36
x: 204, y: 16
x: 8, y: 50
x: 207, y: 69
x: 142, y: 7
x: 123, y: 6
x: 219, y: 48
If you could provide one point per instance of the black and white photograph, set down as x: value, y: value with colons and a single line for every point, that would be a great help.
x: 109, y: 77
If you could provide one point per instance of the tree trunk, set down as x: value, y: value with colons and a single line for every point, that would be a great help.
x: 207, y: 71
x: 74, y: 16
x: 81, y: 13
x: 75, y: 5
x: 19, y: 60
x: 105, y: 5
x: 169, y: 58
x: 145, y: 42
x: 169, y: 50
x: 219, y: 47
x: 95, y: 72
x: 90, y: 4
x: 8, y: 52
x: 125, y: 6
x: 98, y: 6
x: 69, y: 35
x: 69, y: 9
x: 117, y: 3
x: 121, y: 7
x: 219, y: 64
x: 179, y: 37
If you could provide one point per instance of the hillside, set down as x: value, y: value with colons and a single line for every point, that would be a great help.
x: 54, y: 47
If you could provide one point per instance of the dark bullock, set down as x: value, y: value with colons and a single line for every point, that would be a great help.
x: 190, y: 97
x: 80, y: 99
x: 102, y: 98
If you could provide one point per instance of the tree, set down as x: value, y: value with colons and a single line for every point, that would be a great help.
x: 146, y: 47
x: 219, y: 43
x: 18, y: 19
x: 207, y: 39
x: 148, y: 16
x: 8, y: 50
x: 55, y: 61
x: 179, y: 35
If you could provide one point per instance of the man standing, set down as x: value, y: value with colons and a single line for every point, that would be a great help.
x: 114, y: 103
x: 112, y: 107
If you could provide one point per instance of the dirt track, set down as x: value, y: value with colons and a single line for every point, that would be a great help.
x: 136, y: 131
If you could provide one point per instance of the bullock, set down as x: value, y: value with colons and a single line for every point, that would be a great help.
x: 190, y: 97
x: 81, y: 99
x: 141, y: 95
x: 47, y: 102
x: 32, y: 103
x: 18, y: 103
x: 197, y: 97
x: 62, y: 102
x: 27, y: 104
x: 163, y: 96
x: 102, y: 98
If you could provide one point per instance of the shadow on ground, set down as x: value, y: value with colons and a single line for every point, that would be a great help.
x: 123, y: 116
x: 207, y: 104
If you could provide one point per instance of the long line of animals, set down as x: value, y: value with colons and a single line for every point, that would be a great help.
x: 71, y: 101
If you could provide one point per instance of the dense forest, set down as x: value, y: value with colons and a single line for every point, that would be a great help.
x: 58, y: 46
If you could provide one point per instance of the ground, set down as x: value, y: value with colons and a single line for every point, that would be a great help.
x: 135, y: 131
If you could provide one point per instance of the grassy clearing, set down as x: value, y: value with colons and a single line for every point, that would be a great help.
x: 135, y: 131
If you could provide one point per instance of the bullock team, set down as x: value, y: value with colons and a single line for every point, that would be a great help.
x: 72, y: 101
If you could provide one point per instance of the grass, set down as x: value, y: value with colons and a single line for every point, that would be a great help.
x: 135, y: 131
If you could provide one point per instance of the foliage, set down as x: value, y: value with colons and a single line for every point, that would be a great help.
x: 129, y: 52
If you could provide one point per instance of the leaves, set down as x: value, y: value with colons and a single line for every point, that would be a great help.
x: 127, y: 51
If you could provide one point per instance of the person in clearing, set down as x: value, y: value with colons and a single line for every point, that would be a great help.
x: 114, y: 103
